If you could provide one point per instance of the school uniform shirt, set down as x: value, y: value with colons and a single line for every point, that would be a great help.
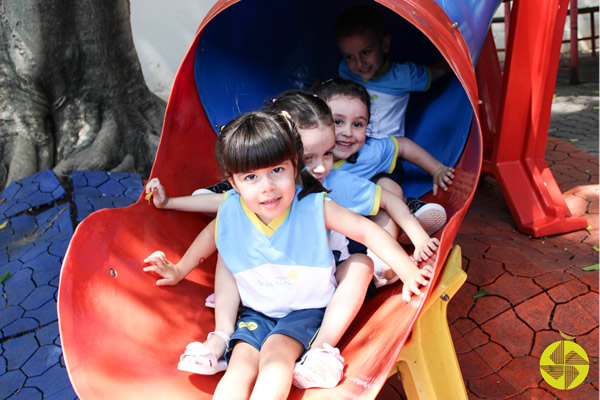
x: 357, y: 194
x: 281, y: 267
x: 375, y: 157
x: 390, y: 92
x: 353, y: 192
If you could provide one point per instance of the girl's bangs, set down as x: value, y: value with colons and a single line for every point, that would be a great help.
x: 252, y: 152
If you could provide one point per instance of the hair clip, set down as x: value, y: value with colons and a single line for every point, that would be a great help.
x: 285, y: 115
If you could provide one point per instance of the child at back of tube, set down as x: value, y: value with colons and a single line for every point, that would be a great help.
x: 362, y: 38
x: 274, y: 331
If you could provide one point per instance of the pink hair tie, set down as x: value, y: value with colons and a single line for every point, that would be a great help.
x: 273, y: 100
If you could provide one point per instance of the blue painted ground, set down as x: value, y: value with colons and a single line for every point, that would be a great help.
x: 37, y: 218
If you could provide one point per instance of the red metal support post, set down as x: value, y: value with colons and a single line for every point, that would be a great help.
x: 523, y: 117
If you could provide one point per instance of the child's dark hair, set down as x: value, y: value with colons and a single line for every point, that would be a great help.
x: 331, y: 88
x: 357, y: 20
x: 260, y: 139
x: 307, y: 110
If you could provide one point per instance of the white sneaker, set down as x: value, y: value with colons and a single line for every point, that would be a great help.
x: 319, y: 368
x: 431, y: 216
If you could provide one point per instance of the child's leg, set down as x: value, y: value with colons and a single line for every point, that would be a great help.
x: 322, y: 366
x: 382, y: 218
x: 240, y: 375
x: 353, y: 276
x: 276, y: 363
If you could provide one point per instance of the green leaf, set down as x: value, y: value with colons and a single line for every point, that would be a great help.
x: 595, y: 248
x: 4, y: 224
x: 481, y: 293
x: 573, y: 140
x: 595, y: 267
x: 4, y: 277
x: 588, y: 228
x: 587, y: 171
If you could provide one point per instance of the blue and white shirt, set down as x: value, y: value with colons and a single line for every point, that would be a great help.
x: 390, y: 92
x: 353, y: 192
x: 375, y: 157
x: 284, y: 266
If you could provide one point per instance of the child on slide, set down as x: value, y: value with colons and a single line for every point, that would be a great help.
x: 362, y: 38
x: 315, y: 124
x: 371, y: 158
x: 263, y: 230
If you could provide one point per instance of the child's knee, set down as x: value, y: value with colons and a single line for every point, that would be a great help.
x: 357, y: 270
x: 391, y: 186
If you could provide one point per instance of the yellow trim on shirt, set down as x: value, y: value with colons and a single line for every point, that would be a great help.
x: 429, y: 81
x: 269, y: 229
x: 384, y: 68
x: 338, y: 163
x: 376, y: 201
x: 395, y: 159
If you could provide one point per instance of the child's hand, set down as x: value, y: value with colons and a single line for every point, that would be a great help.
x: 415, y: 278
x: 442, y: 178
x: 426, y: 250
x: 159, y: 196
x: 163, y: 267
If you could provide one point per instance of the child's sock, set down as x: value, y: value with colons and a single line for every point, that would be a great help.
x: 382, y: 274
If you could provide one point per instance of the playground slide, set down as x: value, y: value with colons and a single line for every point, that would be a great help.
x: 121, y: 334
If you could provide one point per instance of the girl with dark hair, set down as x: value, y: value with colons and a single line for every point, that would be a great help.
x: 262, y: 231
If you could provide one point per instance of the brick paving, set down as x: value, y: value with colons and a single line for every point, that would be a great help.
x: 536, y: 287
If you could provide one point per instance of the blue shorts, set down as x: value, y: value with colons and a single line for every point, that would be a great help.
x: 254, y: 327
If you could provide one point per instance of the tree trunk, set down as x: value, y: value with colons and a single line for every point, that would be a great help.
x: 72, y: 93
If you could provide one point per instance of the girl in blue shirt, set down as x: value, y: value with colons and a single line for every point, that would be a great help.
x: 261, y: 230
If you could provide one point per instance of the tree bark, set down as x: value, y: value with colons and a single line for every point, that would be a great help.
x: 72, y: 93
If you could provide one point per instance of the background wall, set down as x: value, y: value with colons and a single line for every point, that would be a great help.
x: 163, y: 32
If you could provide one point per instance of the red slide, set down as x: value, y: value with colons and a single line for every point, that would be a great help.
x: 121, y: 334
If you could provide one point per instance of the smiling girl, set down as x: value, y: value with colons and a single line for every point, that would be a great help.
x: 263, y: 230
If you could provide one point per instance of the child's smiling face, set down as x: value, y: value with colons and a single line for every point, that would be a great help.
x: 267, y: 192
x: 350, y: 119
x: 364, y: 52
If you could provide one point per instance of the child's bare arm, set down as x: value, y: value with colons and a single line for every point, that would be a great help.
x: 380, y: 242
x: 399, y: 212
x: 227, y: 299
x: 415, y: 154
x: 205, y: 203
x: 171, y: 274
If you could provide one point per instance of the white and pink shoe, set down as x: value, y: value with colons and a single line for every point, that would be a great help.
x: 199, y: 360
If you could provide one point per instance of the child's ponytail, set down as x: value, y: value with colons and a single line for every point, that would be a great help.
x: 310, y: 184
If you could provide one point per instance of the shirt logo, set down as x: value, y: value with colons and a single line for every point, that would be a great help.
x: 250, y: 325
